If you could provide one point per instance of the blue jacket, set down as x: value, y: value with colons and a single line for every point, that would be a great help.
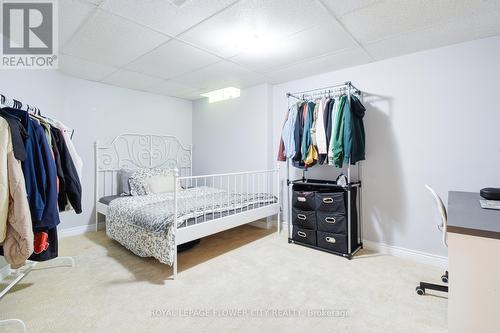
x: 39, y: 174
x: 50, y: 216
x: 306, y: 138
x: 288, y: 132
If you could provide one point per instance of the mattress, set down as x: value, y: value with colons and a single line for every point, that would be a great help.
x: 143, y: 224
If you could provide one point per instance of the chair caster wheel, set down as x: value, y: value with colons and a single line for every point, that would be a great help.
x: 420, y: 291
x: 444, y: 278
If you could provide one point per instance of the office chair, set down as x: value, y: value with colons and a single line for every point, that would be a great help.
x: 442, y: 227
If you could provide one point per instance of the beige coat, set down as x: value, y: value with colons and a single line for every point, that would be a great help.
x: 18, y: 243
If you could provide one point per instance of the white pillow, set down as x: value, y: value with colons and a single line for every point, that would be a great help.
x: 138, y: 179
x: 159, y: 184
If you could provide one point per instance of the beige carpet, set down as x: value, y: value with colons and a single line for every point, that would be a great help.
x: 243, y: 280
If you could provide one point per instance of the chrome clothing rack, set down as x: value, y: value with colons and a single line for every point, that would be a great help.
x: 21, y: 273
x: 346, y: 88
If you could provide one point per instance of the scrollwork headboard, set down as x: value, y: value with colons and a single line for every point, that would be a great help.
x: 137, y: 151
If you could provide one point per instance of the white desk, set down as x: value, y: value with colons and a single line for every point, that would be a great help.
x: 474, y: 265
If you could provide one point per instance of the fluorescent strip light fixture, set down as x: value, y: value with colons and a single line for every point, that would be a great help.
x: 222, y: 94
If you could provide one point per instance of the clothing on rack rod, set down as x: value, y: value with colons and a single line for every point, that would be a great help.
x: 323, y: 131
x: 18, y: 134
x: 358, y: 131
x: 16, y: 231
x: 327, y: 116
x: 297, y: 135
x: 306, y: 138
x: 337, y: 139
x: 50, y: 170
x: 288, y: 132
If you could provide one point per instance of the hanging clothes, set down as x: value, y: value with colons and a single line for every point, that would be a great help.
x: 50, y: 183
x: 358, y: 131
x: 326, y: 131
x: 320, y: 128
x: 347, y: 131
x: 71, y: 190
x: 288, y: 132
x: 306, y: 138
x: 73, y: 154
x: 17, y: 242
x: 281, y: 149
x: 327, y: 119
x: 18, y: 134
x: 314, y: 123
x: 337, y: 139
x: 50, y: 215
x: 298, y: 134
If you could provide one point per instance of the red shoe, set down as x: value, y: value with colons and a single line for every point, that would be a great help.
x: 41, y: 243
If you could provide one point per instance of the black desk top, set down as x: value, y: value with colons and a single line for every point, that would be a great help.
x: 465, y: 216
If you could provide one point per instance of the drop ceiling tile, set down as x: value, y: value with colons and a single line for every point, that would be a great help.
x: 165, y: 16
x: 170, y: 88
x: 220, y: 75
x: 132, y: 80
x: 473, y: 27
x: 388, y: 18
x: 319, y: 65
x: 342, y: 7
x: 84, y: 69
x: 112, y: 40
x: 244, y: 25
x: 172, y: 59
x: 95, y: 2
x: 316, y: 41
x: 72, y: 13
x: 192, y: 95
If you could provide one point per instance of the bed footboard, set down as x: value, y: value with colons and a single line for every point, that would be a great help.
x: 250, y: 196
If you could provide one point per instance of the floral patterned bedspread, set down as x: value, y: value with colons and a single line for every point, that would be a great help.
x: 144, y: 224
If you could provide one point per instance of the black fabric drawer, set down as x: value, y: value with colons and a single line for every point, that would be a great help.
x: 331, y: 222
x: 330, y: 202
x: 332, y: 242
x: 304, y: 235
x: 303, y: 200
x: 304, y: 218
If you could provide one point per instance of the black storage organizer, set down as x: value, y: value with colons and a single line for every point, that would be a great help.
x: 322, y: 218
x: 322, y: 214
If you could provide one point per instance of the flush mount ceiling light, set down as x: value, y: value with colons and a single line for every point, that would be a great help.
x: 255, y: 37
x: 222, y: 94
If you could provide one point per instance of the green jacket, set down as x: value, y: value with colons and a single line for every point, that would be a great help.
x: 337, y: 138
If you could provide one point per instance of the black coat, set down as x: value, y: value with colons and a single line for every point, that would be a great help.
x: 69, y: 183
x: 358, y: 130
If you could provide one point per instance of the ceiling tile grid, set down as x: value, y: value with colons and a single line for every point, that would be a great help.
x: 112, y: 40
x: 241, y: 26
x: 219, y: 75
x: 165, y: 16
x: 319, y: 40
x: 72, y: 14
x: 184, y: 50
x: 319, y: 65
x: 172, y: 59
x: 84, y: 69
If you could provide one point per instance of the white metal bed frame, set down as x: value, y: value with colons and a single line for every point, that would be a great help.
x: 135, y: 151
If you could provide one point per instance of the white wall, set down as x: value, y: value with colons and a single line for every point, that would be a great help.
x: 97, y: 112
x: 432, y: 117
x: 233, y: 135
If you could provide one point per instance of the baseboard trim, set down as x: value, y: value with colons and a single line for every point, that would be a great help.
x: 75, y: 231
x: 419, y: 256
x: 401, y: 252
